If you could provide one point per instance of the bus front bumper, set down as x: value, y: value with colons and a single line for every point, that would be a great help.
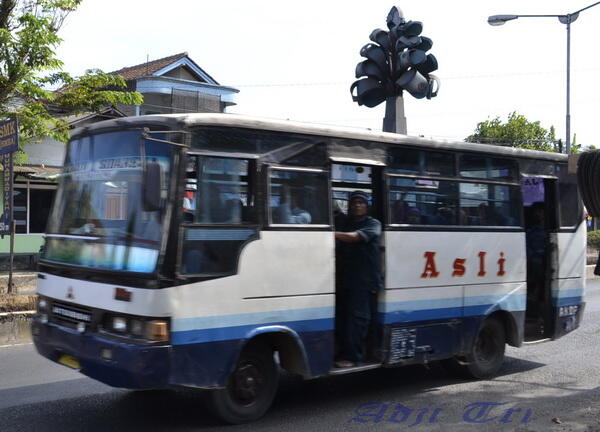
x: 116, y: 363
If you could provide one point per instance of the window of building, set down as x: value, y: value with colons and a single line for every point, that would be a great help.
x: 20, y: 209
x: 41, y: 203
x: 31, y: 207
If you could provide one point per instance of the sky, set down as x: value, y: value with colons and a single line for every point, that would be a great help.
x: 296, y: 60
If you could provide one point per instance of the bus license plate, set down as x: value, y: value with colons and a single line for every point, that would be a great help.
x: 69, y: 361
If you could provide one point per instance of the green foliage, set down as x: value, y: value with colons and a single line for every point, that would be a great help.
x: 516, y: 132
x: 575, y: 148
x: 593, y: 239
x: 29, y: 68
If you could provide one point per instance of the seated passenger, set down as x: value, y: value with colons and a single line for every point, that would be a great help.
x: 414, y: 216
x: 446, y: 216
x: 189, y: 203
x: 233, y: 210
x: 400, y: 212
x: 289, y: 209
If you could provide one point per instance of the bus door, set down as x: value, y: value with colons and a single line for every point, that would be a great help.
x: 346, y: 178
x: 540, y: 206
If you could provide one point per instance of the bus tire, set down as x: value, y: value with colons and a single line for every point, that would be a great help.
x: 250, y: 388
x: 487, y: 353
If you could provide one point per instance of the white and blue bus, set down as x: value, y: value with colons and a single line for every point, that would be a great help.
x: 171, y: 257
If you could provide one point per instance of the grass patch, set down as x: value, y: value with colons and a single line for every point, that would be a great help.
x: 17, y: 302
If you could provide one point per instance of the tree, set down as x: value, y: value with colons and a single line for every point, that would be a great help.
x: 29, y: 69
x: 516, y: 132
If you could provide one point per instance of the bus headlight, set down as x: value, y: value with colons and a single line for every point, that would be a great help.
x: 42, y: 304
x: 157, y: 330
x: 137, y: 328
x: 42, y: 310
x: 119, y: 324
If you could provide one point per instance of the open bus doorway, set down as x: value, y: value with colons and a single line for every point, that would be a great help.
x: 345, y: 179
x: 540, y: 208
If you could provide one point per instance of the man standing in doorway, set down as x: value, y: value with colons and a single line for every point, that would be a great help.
x: 360, y: 278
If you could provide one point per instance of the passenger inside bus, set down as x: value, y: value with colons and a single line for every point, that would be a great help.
x: 290, y: 210
x: 413, y: 216
x: 189, y: 202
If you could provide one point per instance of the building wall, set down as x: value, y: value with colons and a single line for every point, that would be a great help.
x: 24, y: 244
x: 128, y: 110
x: 48, y: 152
x: 156, y: 103
x: 181, y: 73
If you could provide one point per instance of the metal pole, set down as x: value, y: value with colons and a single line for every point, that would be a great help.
x: 568, y: 119
x: 13, y: 225
x: 394, y: 120
x: 12, y: 257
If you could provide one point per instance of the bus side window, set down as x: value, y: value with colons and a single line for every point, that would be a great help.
x: 298, y: 197
x: 216, y: 191
x: 423, y: 201
x: 489, y: 205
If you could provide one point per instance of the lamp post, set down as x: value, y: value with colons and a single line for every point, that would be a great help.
x: 498, y: 20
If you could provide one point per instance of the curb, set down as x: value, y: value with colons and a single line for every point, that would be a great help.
x: 8, y: 314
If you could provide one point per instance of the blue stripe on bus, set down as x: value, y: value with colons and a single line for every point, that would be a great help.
x: 240, y: 332
x: 509, y: 302
x: 425, y: 304
x: 576, y: 292
x: 566, y: 301
x: 410, y: 316
x: 197, y: 234
x: 420, y: 310
x: 257, y: 318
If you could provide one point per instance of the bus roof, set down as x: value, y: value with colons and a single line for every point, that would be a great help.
x: 185, y: 121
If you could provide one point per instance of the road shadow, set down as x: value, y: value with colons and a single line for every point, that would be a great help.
x: 331, y: 400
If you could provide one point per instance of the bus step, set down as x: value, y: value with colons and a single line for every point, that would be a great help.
x: 363, y: 367
x: 537, y: 341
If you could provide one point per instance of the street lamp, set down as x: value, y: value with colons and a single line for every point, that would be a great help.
x: 498, y: 20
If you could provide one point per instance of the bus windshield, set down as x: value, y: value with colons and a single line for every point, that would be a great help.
x: 98, y: 219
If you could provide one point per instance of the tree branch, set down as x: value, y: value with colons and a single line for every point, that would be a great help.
x: 6, y: 9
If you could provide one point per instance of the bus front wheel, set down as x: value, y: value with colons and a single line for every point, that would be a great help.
x: 487, y: 353
x: 250, y: 388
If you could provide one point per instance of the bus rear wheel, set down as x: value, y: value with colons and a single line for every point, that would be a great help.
x: 487, y: 353
x: 250, y: 388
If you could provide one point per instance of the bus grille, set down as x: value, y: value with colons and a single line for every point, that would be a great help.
x: 70, y: 315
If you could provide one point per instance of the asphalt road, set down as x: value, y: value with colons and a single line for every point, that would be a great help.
x: 545, y: 387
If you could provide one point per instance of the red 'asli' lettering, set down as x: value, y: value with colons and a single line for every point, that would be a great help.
x: 459, y: 267
x: 481, y: 264
x: 501, y: 262
x: 430, y: 269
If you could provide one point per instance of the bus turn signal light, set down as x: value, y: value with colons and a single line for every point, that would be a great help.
x: 158, y: 331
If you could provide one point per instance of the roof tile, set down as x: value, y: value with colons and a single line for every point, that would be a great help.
x: 148, y: 68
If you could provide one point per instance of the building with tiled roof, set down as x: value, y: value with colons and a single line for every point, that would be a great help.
x: 172, y: 84
x: 175, y: 84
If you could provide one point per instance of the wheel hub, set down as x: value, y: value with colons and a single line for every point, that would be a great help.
x: 248, y: 382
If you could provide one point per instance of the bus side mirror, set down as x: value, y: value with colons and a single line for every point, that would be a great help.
x: 151, y: 185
